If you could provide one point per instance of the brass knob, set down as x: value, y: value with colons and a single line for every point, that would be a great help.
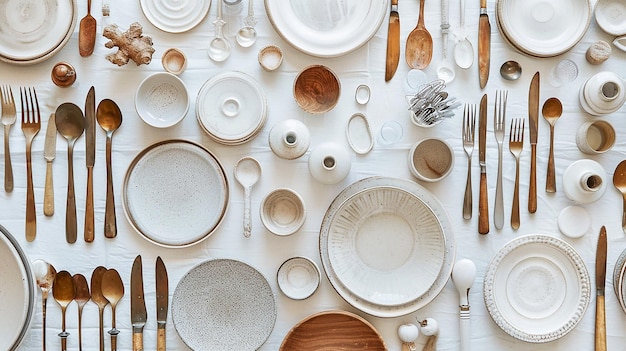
x: 63, y: 74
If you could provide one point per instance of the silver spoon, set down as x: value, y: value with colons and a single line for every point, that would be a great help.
x: 463, y: 275
x: 45, y: 274
x: 247, y: 173
x: 463, y: 50
x: 246, y: 36
x: 219, y: 48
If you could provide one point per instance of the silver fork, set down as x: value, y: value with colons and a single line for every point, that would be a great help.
x: 8, y: 119
x: 516, y: 144
x: 31, y: 123
x: 469, y: 126
x: 499, y: 121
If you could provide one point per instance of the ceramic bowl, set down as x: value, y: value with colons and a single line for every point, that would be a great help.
x: 298, y: 278
x: 162, y: 100
x: 317, y: 89
x: 431, y: 159
x: 283, y: 212
x: 270, y: 57
x: 174, y: 61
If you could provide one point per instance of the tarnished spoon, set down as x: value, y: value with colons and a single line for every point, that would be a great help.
x: 99, y: 299
x: 45, y: 274
x: 87, y: 33
x: 113, y: 291
x: 419, y: 44
x: 619, y: 180
x: 247, y: 173
x: 552, y: 110
x: 64, y: 293
x: 82, y: 297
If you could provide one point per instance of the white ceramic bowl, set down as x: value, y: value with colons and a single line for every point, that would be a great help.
x: 431, y: 159
x: 283, y: 212
x: 298, y: 278
x: 162, y: 100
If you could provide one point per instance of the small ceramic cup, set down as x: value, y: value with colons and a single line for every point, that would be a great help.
x: 595, y: 137
x: 431, y: 159
x: 174, y: 61
x: 283, y: 212
x: 270, y: 57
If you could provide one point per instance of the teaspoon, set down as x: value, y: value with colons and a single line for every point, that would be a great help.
x: 551, y: 110
x: 113, y: 291
x: 70, y: 123
x: 246, y: 36
x: 45, y: 274
x: 219, y: 48
x: 247, y: 173
x: 63, y: 292
x: 82, y: 297
x: 99, y: 299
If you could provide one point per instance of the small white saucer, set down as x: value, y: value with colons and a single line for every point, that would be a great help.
x: 574, y: 221
x: 298, y: 278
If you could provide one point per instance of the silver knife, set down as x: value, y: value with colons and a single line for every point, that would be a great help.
x: 49, y: 153
x: 162, y: 293
x: 90, y: 157
x: 138, y: 314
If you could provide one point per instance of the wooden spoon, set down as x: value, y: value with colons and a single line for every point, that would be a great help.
x: 98, y: 298
x: 113, y: 291
x: 552, y: 110
x: 63, y: 292
x: 82, y: 297
x: 619, y: 180
x: 87, y: 33
x: 419, y: 44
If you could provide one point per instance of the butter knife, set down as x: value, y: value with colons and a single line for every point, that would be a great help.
x: 162, y: 294
x: 533, y: 119
x: 49, y: 153
x: 393, y: 42
x: 138, y: 314
x: 90, y: 157
x: 483, y: 203
x: 484, y: 44
x: 600, y: 334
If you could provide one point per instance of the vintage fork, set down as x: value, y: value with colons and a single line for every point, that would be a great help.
x: 516, y: 144
x: 469, y: 126
x: 31, y: 123
x: 8, y: 119
x: 499, y: 121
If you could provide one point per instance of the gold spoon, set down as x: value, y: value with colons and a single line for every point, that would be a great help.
x: 113, y: 291
x: 419, y: 44
x: 82, y: 297
x: 552, y: 110
x: 99, y: 299
x: 63, y: 292
x: 619, y: 180
x: 45, y: 274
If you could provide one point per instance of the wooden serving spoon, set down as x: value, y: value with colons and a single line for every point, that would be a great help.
x: 82, y: 297
x: 419, y: 44
x: 113, y: 291
x: 64, y: 292
x: 87, y: 33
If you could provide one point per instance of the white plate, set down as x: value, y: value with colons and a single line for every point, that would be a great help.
x: 175, y: 16
x: 537, y: 288
x: 223, y: 304
x: 326, y: 28
x: 298, y: 278
x: 611, y: 16
x: 231, y: 108
x: 32, y: 31
x: 175, y: 193
x: 376, y: 287
x: 17, y: 292
x: 544, y: 28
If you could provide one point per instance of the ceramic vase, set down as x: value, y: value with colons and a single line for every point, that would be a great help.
x: 584, y: 181
x: 329, y: 163
x: 602, y: 94
x: 289, y: 139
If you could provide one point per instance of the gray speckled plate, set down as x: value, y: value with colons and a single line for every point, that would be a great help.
x: 223, y: 304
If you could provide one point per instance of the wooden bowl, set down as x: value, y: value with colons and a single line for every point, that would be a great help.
x: 316, y: 89
x: 333, y: 330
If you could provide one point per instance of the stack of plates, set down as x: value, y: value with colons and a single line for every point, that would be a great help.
x: 231, y: 108
x: 543, y: 28
x: 32, y: 31
x: 387, y: 246
x: 175, y: 16
x: 619, y: 279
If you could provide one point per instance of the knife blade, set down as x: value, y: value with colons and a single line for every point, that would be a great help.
x: 90, y: 156
x: 600, y: 333
x: 49, y: 153
x: 162, y: 293
x: 483, y: 203
x: 533, y: 126
x: 484, y: 44
x: 138, y: 314
x: 393, y: 42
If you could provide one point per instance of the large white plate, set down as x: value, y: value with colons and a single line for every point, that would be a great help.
x: 326, y: 28
x: 175, y: 193
x: 537, y: 288
x: 223, y: 304
x: 544, y: 28
x: 32, y: 31
x: 366, y: 291
x: 17, y: 292
x: 175, y: 16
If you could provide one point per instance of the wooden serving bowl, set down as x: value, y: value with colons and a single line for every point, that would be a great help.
x: 316, y: 89
x: 333, y: 331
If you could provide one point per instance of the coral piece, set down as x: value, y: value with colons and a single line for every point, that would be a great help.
x: 132, y: 44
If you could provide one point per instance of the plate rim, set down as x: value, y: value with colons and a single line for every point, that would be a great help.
x: 167, y: 29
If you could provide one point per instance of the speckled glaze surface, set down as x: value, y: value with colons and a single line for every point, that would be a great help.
x: 619, y: 280
x: 283, y: 211
x: 223, y: 304
x: 298, y: 278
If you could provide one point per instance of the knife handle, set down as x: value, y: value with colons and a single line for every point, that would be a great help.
x: 138, y: 341
x: 483, y: 4
x: 48, y: 194
x: 161, y: 338
x: 89, y: 220
x: 532, y: 188
x: 483, y: 205
x: 600, y: 324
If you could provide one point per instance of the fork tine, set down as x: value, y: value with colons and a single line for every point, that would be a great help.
x: 24, y: 118
x: 34, y: 106
x: 11, y: 101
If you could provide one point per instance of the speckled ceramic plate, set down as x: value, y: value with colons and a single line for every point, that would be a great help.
x: 175, y: 16
x: 175, y: 193
x: 223, y: 304
x: 537, y: 288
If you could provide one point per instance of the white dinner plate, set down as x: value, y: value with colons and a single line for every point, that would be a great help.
x: 611, y: 16
x: 175, y: 193
x: 223, y: 304
x: 537, y: 288
x: 326, y: 28
x: 175, y: 16
x: 355, y: 237
x: 17, y: 292
x: 32, y: 31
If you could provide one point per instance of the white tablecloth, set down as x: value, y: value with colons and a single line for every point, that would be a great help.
x: 266, y: 251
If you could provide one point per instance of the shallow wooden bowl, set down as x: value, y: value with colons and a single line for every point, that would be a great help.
x: 316, y: 89
x: 333, y: 330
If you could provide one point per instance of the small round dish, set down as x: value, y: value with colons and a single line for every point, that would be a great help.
x: 174, y: 61
x: 283, y: 212
x: 298, y: 278
x: 611, y: 16
x: 270, y: 57
x: 317, y: 89
x: 162, y: 100
x: 574, y: 221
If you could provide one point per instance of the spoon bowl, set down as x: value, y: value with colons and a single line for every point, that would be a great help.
x: 551, y: 110
x: 219, y: 48
x: 619, y: 180
x: 247, y: 172
x: 45, y: 274
x: 113, y: 291
x: 98, y: 298
x: 419, y: 44
x: 246, y: 36
x: 82, y: 297
x: 464, y: 53
x: 511, y: 70
x: 64, y: 292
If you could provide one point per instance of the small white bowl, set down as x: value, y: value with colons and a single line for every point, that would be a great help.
x: 298, y: 278
x: 283, y: 212
x: 162, y: 100
x: 270, y: 57
x: 431, y: 159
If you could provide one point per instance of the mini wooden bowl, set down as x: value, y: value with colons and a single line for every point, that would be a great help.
x: 316, y: 89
